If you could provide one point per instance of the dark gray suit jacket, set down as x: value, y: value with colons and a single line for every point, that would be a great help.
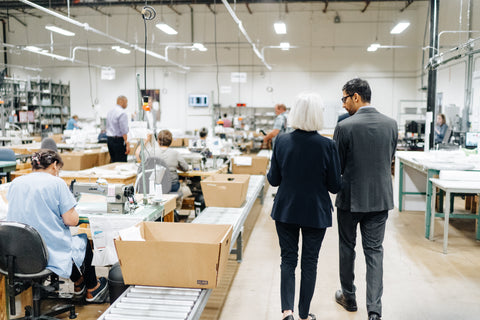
x: 366, y: 145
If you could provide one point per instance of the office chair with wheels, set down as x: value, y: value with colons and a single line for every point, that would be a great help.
x: 6, y: 155
x: 153, y: 164
x: 23, y: 261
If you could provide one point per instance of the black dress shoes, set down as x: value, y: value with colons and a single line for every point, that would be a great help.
x: 348, y: 304
x: 289, y: 317
x: 374, y: 316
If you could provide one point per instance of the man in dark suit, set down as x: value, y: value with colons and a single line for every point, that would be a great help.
x: 366, y: 144
x: 343, y: 117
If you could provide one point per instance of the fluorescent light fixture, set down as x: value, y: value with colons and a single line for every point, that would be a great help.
x: 373, y: 47
x: 400, y: 27
x: 44, y: 52
x: 199, y: 46
x: 33, y: 49
x: 166, y: 28
x: 280, y: 27
x: 59, y: 30
x: 285, y: 45
x: 121, y: 50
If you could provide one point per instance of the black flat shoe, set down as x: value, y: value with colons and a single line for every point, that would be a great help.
x: 289, y: 317
x: 312, y: 316
x: 348, y: 304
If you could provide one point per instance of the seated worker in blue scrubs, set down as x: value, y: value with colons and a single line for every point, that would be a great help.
x: 43, y: 200
x: 73, y: 123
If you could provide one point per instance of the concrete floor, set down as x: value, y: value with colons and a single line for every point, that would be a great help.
x: 420, y: 282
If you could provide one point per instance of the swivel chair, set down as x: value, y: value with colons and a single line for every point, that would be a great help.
x: 153, y: 164
x: 6, y: 155
x: 23, y: 260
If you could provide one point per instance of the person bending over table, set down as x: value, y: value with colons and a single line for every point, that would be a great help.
x: 43, y: 200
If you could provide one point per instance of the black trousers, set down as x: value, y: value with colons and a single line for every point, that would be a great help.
x: 87, y: 270
x: 372, y: 228
x: 288, y: 235
x: 117, y: 149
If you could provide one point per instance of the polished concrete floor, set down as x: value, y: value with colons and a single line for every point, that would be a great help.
x: 420, y: 282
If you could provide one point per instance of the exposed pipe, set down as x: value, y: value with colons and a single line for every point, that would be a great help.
x: 191, y: 24
x: 432, y: 73
x: 86, y: 27
x: 22, y: 67
x: 244, y: 32
x: 468, y: 76
x: 4, y: 32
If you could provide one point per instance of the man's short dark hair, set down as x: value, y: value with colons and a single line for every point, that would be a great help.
x: 203, y: 133
x: 360, y: 87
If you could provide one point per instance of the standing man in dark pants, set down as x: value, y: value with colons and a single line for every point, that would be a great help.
x: 117, y: 130
x: 366, y: 144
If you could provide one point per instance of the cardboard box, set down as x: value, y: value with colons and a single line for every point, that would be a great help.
x: 175, y: 255
x: 79, y: 160
x: 177, y: 142
x: 225, y: 190
x: 258, y: 165
x: 103, y: 157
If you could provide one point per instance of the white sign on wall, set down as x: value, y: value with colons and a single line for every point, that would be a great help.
x: 108, y: 74
x: 238, y: 77
x: 225, y: 89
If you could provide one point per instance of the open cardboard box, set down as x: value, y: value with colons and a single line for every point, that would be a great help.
x: 175, y: 255
x: 225, y: 190
x: 258, y: 165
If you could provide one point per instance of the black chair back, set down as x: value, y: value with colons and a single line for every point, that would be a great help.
x: 26, y: 245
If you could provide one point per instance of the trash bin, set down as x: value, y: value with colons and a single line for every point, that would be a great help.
x: 116, y: 286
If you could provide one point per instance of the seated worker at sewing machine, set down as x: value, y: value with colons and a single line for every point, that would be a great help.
x: 173, y: 159
x: 201, y: 145
x: 42, y: 200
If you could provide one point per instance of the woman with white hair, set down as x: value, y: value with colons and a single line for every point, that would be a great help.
x: 306, y: 167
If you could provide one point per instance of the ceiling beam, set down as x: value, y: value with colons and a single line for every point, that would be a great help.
x: 211, y: 9
x: 15, y: 4
x: 19, y: 21
x: 27, y: 13
x: 409, y: 2
x: 367, y: 3
x: 174, y: 9
x: 248, y: 8
x: 100, y: 11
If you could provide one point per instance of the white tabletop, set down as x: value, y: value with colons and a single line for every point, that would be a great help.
x: 440, y: 160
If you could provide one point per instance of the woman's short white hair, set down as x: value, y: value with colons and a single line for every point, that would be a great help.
x: 307, y: 112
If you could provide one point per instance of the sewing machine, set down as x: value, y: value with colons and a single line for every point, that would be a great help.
x: 117, y: 194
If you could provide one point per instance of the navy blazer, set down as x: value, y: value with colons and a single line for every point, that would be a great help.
x: 306, y: 167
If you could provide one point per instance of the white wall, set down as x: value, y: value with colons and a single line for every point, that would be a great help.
x: 327, y: 55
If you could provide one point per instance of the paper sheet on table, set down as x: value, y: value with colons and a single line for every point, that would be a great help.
x: 104, y: 229
x: 243, y: 161
x: 131, y: 234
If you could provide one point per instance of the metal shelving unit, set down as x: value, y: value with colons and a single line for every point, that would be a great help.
x: 13, y: 95
x: 50, y: 102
